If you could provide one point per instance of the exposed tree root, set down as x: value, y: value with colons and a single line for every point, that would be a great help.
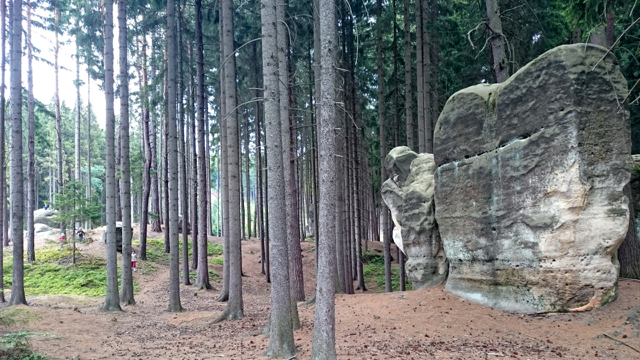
x: 312, y: 300
x: 227, y: 315
x: 224, y: 297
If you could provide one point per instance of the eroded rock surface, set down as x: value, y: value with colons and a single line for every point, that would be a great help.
x: 46, y: 217
x: 529, y: 185
x: 409, y: 195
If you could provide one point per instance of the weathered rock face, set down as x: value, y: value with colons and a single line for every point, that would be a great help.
x: 529, y: 185
x: 409, y: 195
x: 42, y: 216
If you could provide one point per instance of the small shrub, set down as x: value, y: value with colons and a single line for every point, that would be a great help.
x: 218, y: 261
x: 16, y: 346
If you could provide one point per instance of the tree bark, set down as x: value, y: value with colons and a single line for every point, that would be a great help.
x: 126, y: 291
x: 224, y: 293
x: 235, y: 305
x: 17, y: 186
x: 324, y: 341
x: 148, y: 157
x: 280, y: 330
x: 500, y: 65
x: 194, y: 176
x: 184, y: 196
x: 202, y: 279
x: 426, y: 76
x: 60, y: 183
x: 111, y: 301
x: 408, y: 90
x: 420, y: 78
x: 31, y: 173
x: 3, y: 188
x: 383, y: 149
x: 172, y: 154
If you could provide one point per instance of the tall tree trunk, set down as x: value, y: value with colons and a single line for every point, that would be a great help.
x: 148, y: 157
x: 383, y: 150
x: 420, y: 77
x: 60, y: 183
x: 408, y: 90
x: 280, y: 330
x: 435, y: 65
x: 194, y: 173
x: 111, y: 301
x: 88, y: 224
x: 3, y: 188
x: 610, y: 29
x: 500, y: 65
x: 235, y: 305
x: 247, y: 179
x: 165, y: 157
x: 17, y: 186
x: 31, y: 173
x: 126, y: 292
x: 172, y: 153
x: 426, y: 77
x: 155, y: 191
x: 224, y: 292
x: 76, y: 134
x: 202, y: 279
x: 184, y: 197
x: 324, y: 340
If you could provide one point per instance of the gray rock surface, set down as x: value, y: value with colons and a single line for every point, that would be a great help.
x: 529, y: 185
x: 409, y: 195
x: 42, y: 216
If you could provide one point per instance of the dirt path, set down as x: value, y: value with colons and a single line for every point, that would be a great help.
x: 426, y: 324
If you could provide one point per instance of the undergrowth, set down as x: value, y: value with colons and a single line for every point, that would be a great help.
x: 374, y: 272
x: 53, y: 272
x: 156, y: 256
x: 155, y: 250
x: 16, y: 345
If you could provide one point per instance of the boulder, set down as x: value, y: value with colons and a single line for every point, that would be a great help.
x: 41, y: 228
x: 529, y: 184
x: 409, y: 195
x: 42, y: 216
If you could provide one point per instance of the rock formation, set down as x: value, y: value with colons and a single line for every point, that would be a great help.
x: 529, y: 184
x: 409, y: 196
x: 46, y: 217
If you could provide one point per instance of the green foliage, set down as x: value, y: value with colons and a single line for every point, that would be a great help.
x: 74, y: 206
x: 16, y: 346
x: 11, y: 316
x: 155, y: 250
x: 53, y: 273
x: 217, y: 261
x: 374, y: 271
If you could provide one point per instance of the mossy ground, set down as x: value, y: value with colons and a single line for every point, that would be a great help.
x: 54, y: 272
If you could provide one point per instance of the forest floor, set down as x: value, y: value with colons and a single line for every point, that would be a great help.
x: 424, y: 324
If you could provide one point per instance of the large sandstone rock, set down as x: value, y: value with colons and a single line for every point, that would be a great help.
x: 529, y: 185
x: 409, y: 195
x: 42, y: 216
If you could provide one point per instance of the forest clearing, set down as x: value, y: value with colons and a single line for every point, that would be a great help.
x: 422, y: 324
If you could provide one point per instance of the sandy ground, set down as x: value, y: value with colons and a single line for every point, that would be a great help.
x: 425, y: 324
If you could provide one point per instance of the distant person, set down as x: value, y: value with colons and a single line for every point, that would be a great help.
x: 62, y: 239
x: 80, y: 234
x: 46, y: 206
x: 133, y: 260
